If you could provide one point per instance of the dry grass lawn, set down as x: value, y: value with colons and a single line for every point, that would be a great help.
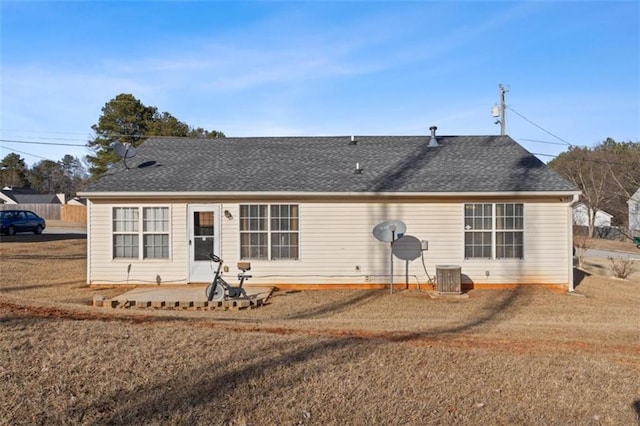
x: 523, y: 356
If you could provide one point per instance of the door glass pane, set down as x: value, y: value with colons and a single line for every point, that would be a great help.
x: 202, y: 246
x: 202, y: 223
x: 203, y: 235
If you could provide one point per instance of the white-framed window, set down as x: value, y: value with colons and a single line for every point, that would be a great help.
x: 155, y: 232
x: 254, y: 231
x: 125, y: 233
x: 509, y: 231
x: 494, y: 231
x: 149, y: 231
x: 269, y: 231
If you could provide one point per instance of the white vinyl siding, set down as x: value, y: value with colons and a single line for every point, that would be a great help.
x: 104, y: 269
x: 338, y: 246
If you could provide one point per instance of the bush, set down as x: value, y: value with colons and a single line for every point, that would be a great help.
x: 581, y: 243
x: 622, y: 267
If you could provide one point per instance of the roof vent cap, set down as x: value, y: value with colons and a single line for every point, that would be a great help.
x: 354, y: 141
x: 433, y: 141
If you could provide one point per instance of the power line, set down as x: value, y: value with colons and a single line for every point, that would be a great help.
x: 50, y: 132
x: 25, y: 153
x: 540, y: 127
x: 544, y: 155
x: 47, y: 138
x: 539, y: 141
x: 104, y: 137
x: 41, y: 143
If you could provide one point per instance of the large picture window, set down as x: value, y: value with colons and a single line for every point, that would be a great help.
x: 269, y: 231
x: 132, y: 231
x: 494, y: 230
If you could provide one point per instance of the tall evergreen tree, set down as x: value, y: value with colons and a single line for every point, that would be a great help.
x: 125, y: 119
x: 13, y: 171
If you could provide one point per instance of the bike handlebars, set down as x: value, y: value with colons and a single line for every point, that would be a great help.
x: 214, y: 258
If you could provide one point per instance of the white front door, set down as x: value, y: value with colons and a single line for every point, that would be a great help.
x: 204, y: 238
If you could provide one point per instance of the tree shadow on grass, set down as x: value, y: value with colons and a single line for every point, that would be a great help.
x: 333, y: 307
x: 20, y: 314
x: 36, y: 256
x: 5, y: 289
x: 28, y: 238
x: 216, y: 385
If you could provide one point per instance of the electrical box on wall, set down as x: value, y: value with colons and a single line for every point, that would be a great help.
x: 424, y: 245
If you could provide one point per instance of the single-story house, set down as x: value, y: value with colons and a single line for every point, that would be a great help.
x: 302, y: 211
x: 77, y: 201
x: 634, y: 212
x: 9, y: 195
x: 581, y: 216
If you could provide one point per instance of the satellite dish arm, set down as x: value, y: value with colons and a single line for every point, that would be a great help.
x: 124, y: 157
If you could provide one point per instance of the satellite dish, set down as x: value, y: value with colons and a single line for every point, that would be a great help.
x: 407, y: 248
x: 389, y: 230
x: 124, y: 151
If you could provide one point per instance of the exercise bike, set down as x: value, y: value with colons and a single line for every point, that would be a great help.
x: 219, y: 289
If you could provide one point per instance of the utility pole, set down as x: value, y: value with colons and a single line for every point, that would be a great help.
x: 503, y: 124
x: 498, y: 112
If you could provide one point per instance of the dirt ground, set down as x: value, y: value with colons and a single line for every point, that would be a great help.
x: 521, y: 356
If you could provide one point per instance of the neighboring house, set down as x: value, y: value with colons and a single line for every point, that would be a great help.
x: 77, y: 201
x: 302, y: 210
x: 634, y: 212
x: 581, y: 216
x: 28, y: 196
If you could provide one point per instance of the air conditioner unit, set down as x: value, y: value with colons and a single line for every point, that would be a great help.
x: 448, y: 279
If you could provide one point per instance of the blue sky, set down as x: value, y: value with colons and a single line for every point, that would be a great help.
x: 322, y: 68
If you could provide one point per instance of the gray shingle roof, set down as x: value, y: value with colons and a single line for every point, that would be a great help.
x: 327, y: 164
x: 36, y: 199
x: 30, y: 196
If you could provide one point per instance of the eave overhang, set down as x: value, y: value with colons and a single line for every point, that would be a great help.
x: 563, y: 195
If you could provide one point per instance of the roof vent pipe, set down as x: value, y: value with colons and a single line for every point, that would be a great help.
x: 433, y: 141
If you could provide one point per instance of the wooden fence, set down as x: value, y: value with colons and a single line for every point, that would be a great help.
x: 72, y: 213
x: 47, y: 211
x: 63, y: 212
